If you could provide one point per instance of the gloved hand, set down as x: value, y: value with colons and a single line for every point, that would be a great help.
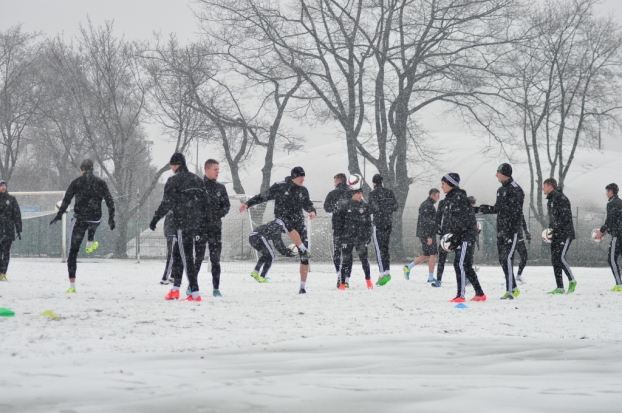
x: 152, y: 225
x: 55, y: 220
x: 528, y: 236
x: 19, y: 235
x: 486, y: 209
x: 111, y: 224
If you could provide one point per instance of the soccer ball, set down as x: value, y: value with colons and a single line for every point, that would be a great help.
x: 547, y: 235
x: 355, y: 181
x: 293, y: 248
x: 446, y: 242
x: 595, y: 234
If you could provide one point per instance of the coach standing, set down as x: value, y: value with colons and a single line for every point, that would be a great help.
x: 10, y: 224
x: 382, y: 204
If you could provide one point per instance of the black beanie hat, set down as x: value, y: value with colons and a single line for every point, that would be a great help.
x: 2, y: 182
x: 377, y: 179
x: 86, y: 165
x: 505, y: 169
x: 178, y: 159
x: 452, y: 179
x: 297, y: 171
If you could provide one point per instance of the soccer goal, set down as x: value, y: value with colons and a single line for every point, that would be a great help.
x: 39, y: 238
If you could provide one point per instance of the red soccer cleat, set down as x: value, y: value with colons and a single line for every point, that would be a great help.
x: 457, y: 300
x: 191, y: 298
x: 342, y: 286
x: 172, y: 295
x: 370, y: 286
x: 479, y: 298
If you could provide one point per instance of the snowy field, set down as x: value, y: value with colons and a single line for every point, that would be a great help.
x: 117, y: 346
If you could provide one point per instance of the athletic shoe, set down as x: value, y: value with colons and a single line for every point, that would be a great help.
x: 457, y: 300
x: 191, y: 298
x: 302, y: 291
x: 188, y: 291
x: 516, y: 293
x: 384, y: 280
x: 71, y: 290
x: 520, y: 279
x: 172, y: 295
x: 617, y: 289
x: 436, y: 284
x: 217, y: 293
x: 431, y: 278
x: 342, y: 287
x: 572, y: 286
x: 166, y: 281
x: 3, y: 277
x: 406, y: 272
x: 256, y: 276
x: 557, y: 291
x: 263, y: 280
x: 479, y: 298
x: 370, y: 285
x: 92, y: 248
x: 507, y: 296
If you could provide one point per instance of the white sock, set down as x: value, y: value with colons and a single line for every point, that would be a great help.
x: 72, y: 285
x: 302, y: 247
x: 195, y: 294
x: 175, y: 288
x: 411, y: 265
x: 88, y: 244
x: 387, y: 272
x: 302, y: 285
x: 347, y: 280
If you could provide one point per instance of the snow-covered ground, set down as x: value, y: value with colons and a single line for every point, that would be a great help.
x: 117, y: 346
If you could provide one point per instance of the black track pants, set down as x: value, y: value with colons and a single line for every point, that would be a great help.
x: 506, y: 247
x: 382, y: 239
x: 440, y: 265
x: 77, y: 232
x: 266, y: 253
x: 336, y: 253
x: 346, y: 260
x: 184, y: 258
x: 463, y: 264
x: 5, y: 254
x: 559, y: 249
x: 170, y: 240
x: 214, y: 243
x: 521, y: 248
x: 615, y: 250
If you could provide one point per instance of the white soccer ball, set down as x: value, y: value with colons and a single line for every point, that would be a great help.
x: 595, y: 235
x: 355, y: 181
x: 446, y: 242
x: 547, y: 235
x: 293, y: 248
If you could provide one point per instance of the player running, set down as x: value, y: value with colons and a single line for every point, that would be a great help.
x: 355, y: 229
x: 290, y: 199
x: 613, y: 226
x: 89, y: 192
x: 259, y: 240
x: 562, y: 227
x: 382, y: 204
x: 185, y: 196
x: 332, y: 203
x: 426, y: 232
x: 509, y: 210
x: 10, y: 224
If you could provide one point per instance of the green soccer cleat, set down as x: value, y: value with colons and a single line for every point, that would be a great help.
x: 71, y: 290
x: 256, y: 276
x: 263, y: 280
x: 617, y: 289
x: 384, y: 280
x: 516, y: 293
x: 571, y: 287
x: 3, y: 277
x: 217, y: 293
x: 557, y: 291
x: 406, y: 272
x: 508, y: 296
x: 93, y: 247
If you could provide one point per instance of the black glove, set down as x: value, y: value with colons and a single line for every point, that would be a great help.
x: 55, y: 220
x: 19, y: 235
x: 152, y: 225
x: 476, y: 209
x: 528, y: 236
x: 486, y: 209
x: 111, y: 224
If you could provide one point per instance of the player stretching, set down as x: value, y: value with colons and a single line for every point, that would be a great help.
x: 613, y: 226
x: 509, y: 210
x: 184, y: 194
x: 10, y: 224
x: 426, y: 232
x: 290, y: 199
x: 332, y: 203
x: 459, y: 221
x: 354, y: 227
x: 259, y: 240
x: 382, y: 204
x: 560, y: 222
x: 89, y: 191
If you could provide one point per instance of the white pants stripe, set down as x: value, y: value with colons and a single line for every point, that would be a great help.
x: 377, y: 248
x: 564, y: 262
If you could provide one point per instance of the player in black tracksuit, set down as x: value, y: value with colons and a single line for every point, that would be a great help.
x: 459, y: 220
x: 332, y: 203
x: 10, y: 224
x: 290, y: 199
x: 382, y: 204
x: 560, y: 222
x: 170, y: 233
x: 89, y: 192
x: 355, y: 229
x: 509, y: 210
x: 218, y: 207
x: 613, y: 226
x: 521, y: 248
x: 259, y: 239
x: 185, y: 196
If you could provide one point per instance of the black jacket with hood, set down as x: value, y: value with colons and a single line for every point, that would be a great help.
x: 560, y: 215
x: 335, y: 199
x: 289, y: 200
x: 383, y: 204
x: 459, y: 217
x: 509, y: 209
x: 89, y: 192
x: 10, y: 217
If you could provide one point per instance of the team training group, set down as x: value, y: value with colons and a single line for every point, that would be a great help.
x: 193, y: 209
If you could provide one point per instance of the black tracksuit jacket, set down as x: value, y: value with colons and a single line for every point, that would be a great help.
x: 289, y: 200
x: 613, y: 223
x: 459, y: 217
x: 354, y: 223
x: 272, y: 231
x: 89, y: 192
x: 218, y: 202
x: 334, y: 200
x: 509, y: 209
x: 10, y: 217
x: 560, y: 215
x: 427, y: 221
x: 383, y: 204
x: 185, y: 195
